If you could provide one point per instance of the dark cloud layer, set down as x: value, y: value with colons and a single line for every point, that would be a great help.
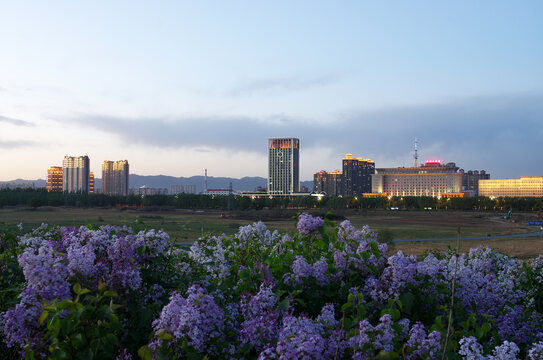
x: 15, y: 121
x: 502, y: 133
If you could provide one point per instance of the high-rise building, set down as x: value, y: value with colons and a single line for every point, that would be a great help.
x: 470, y: 180
x: 431, y: 179
x: 75, y: 174
x: 115, y: 176
x: 357, y: 174
x: 526, y: 186
x: 91, y: 182
x: 283, y: 166
x: 54, y: 179
x: 329, y: 183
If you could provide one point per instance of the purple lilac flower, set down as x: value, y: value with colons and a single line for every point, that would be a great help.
x: 45, y: 271
x: 506, y: 351
x: 470, y: 349
x: 374, y: 338
x: 81, y: 260
x: 264, y: 300
x: 19, y: 323
x: 320, y: 269
x: 536, y: 351
x: 308, y: 224
x: 421, y: 345
x: 259, y: 330
x: 197, y: 319
x: 123, y: 355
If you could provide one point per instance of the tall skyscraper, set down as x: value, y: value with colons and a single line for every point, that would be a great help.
x: 283, y: 166
x: 357, y: 175
x: 115, y: 177
x: 75, y: 174
x: 54, y: 179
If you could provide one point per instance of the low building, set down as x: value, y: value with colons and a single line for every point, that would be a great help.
x: 526, y: 186
x: 144, y: 190
x: 430, y: 179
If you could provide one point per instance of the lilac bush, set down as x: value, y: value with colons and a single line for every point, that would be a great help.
x: 324, y: 292
x: 53, y: 259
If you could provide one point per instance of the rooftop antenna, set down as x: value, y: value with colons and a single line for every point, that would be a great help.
x: 416, y: 155
x: 205, y: 181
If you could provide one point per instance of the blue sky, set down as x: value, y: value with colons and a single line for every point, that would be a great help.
x: 176, y: 87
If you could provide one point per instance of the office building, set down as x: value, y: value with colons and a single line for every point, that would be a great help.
x: 430, y: 179
x: 75, y: 174
x: 470, y: 180
x: 144, y: 190
x: 91, y: 182
x: 329, y: 183
x: 115, y: 176
x: 283, y: 166
x: 182, y: 189
x: 526, y: 186
x: 357, y: 175
x: 54, y: 179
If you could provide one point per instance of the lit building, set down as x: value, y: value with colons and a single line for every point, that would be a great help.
x: 115, y: 177
x: 526, y: 186
x: 329, y: 183
x: 54, y: 179
x: 470, y: 180
x: 283, y: 166
x: 91, y: 182
x: 357, y: 175
x: 75, y: 174
x: 431, y: 179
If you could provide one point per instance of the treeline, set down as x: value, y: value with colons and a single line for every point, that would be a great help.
x: 40, y: 197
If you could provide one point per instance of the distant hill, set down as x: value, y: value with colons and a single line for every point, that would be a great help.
x: 23, y: 183
x: 164, y: 181
x: 243, y: 184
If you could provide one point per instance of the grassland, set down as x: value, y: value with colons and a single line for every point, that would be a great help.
x: 188, y: 225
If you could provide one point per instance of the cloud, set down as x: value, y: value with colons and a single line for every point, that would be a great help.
x: 494, y: 132
x: 9, y: 144
x: 281, y: 85
x: 15, y: 121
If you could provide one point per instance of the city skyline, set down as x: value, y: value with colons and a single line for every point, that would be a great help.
x: 208, y: 84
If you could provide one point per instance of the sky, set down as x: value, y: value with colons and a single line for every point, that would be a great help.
x: 176, y: 87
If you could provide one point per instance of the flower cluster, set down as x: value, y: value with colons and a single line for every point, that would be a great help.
x: 53, y: 259
x: 307, y: 224
x: 196, y: 318
x: 319, y: 293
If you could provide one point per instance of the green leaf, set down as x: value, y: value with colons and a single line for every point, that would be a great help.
x: 111, y: 293
x: 346, y: 306
x: 77, y: 288
x: 164, y: 335
x: 43, y: 316
x: 284, y: 305
x: 145, y: 353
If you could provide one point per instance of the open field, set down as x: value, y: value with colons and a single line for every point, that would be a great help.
x: 188, y: 225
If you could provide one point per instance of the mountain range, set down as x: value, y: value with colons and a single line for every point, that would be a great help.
x: 164, y: 181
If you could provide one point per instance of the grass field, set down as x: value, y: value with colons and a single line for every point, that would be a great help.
x: 188, y: 225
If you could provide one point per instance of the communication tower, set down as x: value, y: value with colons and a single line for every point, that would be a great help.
x: 416, y: 155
